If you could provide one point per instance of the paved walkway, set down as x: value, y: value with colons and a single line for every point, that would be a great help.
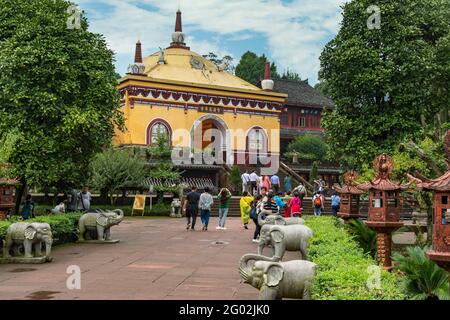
x: 155, y: 259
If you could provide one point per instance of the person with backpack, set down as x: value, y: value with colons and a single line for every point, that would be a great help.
x: 28, y: 208
x: 301, y: 191
x: 335, y: 203
x: 318, y: 203
x: 254, y: 213
x: 296, y: 205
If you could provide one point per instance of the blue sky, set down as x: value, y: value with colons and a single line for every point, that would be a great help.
x: 290, y: 32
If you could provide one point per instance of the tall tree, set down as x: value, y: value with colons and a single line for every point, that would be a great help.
x: 251, y: 68
x: 58, y: 97
x: 384, y: 81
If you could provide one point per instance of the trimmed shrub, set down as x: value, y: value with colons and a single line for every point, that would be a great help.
x: 342, y: 266
x: 64, y: 227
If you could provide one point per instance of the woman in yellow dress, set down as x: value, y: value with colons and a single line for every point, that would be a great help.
x: 245, y: 205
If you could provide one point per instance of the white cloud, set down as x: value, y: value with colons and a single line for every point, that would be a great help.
x: 295, y: 31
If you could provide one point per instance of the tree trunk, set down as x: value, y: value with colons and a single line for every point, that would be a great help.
x: 411, y: 146
x: 20, y: 191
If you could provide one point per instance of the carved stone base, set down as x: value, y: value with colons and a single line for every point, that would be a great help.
x: 98, y: 241
x: 22, y: 260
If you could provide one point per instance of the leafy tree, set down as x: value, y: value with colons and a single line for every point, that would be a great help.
x: 228, y: 60
x: 290, y: 75
x: 313, y: 174
x: 251, y: 68
x: 58, y: 97
x: 323, y: 88
x: 386, y: 83
x: 308, y: 147
x: 114, y: 170
x: 424, y: 279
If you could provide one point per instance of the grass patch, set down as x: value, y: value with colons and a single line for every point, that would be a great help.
x: 342, y: 266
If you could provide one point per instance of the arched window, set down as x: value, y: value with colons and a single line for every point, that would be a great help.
x: 158, y: 128
x: 257, y: 141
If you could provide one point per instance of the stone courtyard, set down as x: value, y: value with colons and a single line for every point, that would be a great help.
x: 156, y: 258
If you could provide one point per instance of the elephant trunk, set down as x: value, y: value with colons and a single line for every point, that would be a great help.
x: 48, y: 245
x: 261, y: 221
x: 120, y: 215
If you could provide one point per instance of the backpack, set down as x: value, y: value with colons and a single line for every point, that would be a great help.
x: 317, y: 202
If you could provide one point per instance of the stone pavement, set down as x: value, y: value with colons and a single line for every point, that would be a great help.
x: 156, y: 258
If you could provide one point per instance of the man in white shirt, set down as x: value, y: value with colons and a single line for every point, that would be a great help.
x: 253, y: 182
x: 245, y: 181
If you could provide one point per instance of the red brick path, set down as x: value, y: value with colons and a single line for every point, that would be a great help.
x: 155, y: 259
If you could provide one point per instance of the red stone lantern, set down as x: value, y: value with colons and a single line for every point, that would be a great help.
x: 384, y: 208
x: 7, y: 199
x: 350, y: 197
x: 441, y: 212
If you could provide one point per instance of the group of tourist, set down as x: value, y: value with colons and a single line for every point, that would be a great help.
x: 253, y: 184
x: 261, y: 196
x: 75, y: 201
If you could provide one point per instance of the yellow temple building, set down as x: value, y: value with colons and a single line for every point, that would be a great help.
x: 198, y: 105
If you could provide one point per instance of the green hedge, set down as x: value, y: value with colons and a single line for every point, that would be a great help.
x: 158, y: 210
x: 64, y: 227
x: 342, y: 267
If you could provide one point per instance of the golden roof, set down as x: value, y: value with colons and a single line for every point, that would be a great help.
x: 187, y: 66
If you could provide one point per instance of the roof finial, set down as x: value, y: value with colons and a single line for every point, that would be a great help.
x: 138, y: 52
x: 137, y: 67
x: 267, y: 83
x: 178, y: 22
x: 178, y: 35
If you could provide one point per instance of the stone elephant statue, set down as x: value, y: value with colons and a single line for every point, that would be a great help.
x: 282, y: 238
x: 276, y: 219
x: 29, y: 235
x: 278, y: 280
x: 100, y: 223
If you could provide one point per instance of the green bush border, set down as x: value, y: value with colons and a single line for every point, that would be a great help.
x: 342, y: 267
x: 64, y: 227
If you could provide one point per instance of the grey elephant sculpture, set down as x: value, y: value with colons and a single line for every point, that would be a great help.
x: 278, y: 280
x: 276, y: 219
x: 282, y: 238
x: 29, y: 235
x: 97, y: 225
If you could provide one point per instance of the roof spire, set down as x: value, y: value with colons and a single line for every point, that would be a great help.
x: 267, y: 71
x: 178, y: 22
x: 137, y: 67
x: 138, y: 52
x: 178, y: 35
x: 267, y: 84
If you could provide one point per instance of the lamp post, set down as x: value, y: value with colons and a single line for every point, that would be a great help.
x: 350, y: 197
x: 384, y: 208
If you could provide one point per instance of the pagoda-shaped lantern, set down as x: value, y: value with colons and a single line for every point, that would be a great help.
x: 7, y: 198
x: 384, y: 208
x: 441, y: 212
x: 350, y: 197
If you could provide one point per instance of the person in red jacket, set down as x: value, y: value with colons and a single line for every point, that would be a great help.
x: 296, y: 205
